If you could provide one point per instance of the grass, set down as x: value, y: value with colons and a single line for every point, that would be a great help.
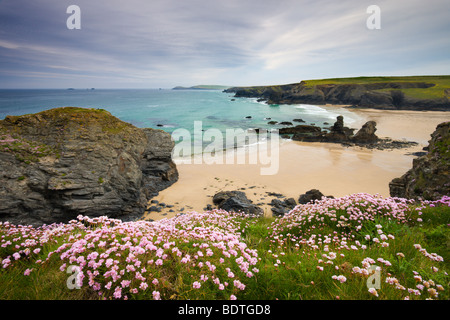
x: 24, y: 150
x: 435, y: 92
x: 325, y: 250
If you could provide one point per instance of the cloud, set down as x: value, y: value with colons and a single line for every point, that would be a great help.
x: 247, y: 42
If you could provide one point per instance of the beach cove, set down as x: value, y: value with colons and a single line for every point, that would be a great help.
x: 332, y: 168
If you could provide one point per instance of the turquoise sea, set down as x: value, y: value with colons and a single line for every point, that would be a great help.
x: 170, y: 109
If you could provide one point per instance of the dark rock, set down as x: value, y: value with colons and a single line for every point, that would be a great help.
x: 272, y: 122
x: 236, y: 201
x: 298, y: 120
x: 93, y: 164
x: 280, y: 208
x: 309, y: 196
x: 338, y: 132
x: 300, y: 129
x: 274, y: 194
x: 366, y: 134
x: 429, y: 177
x: 154, y: 209
x: 286, y: 123
x: 248, y: 117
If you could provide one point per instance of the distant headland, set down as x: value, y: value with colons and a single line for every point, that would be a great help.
x: 422, y: 93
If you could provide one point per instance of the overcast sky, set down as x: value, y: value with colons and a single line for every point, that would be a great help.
x: 165, y: 43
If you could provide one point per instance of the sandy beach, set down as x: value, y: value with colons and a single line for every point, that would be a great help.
x: 332, y: 168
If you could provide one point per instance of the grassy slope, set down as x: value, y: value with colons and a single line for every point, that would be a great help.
x: 437, y: 91
x: 295, y: 259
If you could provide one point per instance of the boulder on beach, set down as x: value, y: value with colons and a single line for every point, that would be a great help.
x: 311, y: 195
x: 280, y: 208
x: 236, y: 201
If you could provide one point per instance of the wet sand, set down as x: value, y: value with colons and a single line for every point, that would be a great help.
x: 332, y: 168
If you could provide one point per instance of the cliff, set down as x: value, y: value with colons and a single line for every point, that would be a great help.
x: 403, y: 93
x: 429, y: 177
x: 59, y: 163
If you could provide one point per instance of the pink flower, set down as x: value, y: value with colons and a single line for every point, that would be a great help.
x: 373, y: 292
x: 118, y: 293
x: 143, y: 286
x: 156, y: 295
x: 233, y: 297
x: 196, y: 285
x: 27, y: 272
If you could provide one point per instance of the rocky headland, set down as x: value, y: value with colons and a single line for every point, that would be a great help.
x: 429, y: 177
x: 391, y: 93
x: 59, y: 163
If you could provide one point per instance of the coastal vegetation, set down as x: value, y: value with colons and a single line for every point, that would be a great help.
x: 356, y: 247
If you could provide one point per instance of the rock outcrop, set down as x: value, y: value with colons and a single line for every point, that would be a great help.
x: 59, y: 163
x: 429, y: 177
x: 311, y: 196
x: 366, y: 134
x: 236, y: 201
x: 338, y: 133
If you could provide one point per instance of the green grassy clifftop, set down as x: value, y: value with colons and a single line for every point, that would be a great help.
x: 407, y: 93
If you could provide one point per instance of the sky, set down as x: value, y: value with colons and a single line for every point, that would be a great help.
x: 167, y: 43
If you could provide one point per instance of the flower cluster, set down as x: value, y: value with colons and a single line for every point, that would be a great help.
x: 168, y: 258
x: 330, y: 229
x: 212, y: 255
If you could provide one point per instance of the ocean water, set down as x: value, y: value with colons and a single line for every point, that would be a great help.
x: 169, y: 109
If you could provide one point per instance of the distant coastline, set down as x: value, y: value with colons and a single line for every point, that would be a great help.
x: 420, y: 93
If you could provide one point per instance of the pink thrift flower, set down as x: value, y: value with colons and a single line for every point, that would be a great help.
x: 27, y: 272
x: 118, y: 293
x: 373, y: 292
x: 156, y: 295
x: 143, y: 286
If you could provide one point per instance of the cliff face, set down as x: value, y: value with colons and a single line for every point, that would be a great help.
x: 429, y: 177
x: 57, y: 164
x: 366, y: 93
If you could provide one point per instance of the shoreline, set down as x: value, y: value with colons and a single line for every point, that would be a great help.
x: 331, y: 168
